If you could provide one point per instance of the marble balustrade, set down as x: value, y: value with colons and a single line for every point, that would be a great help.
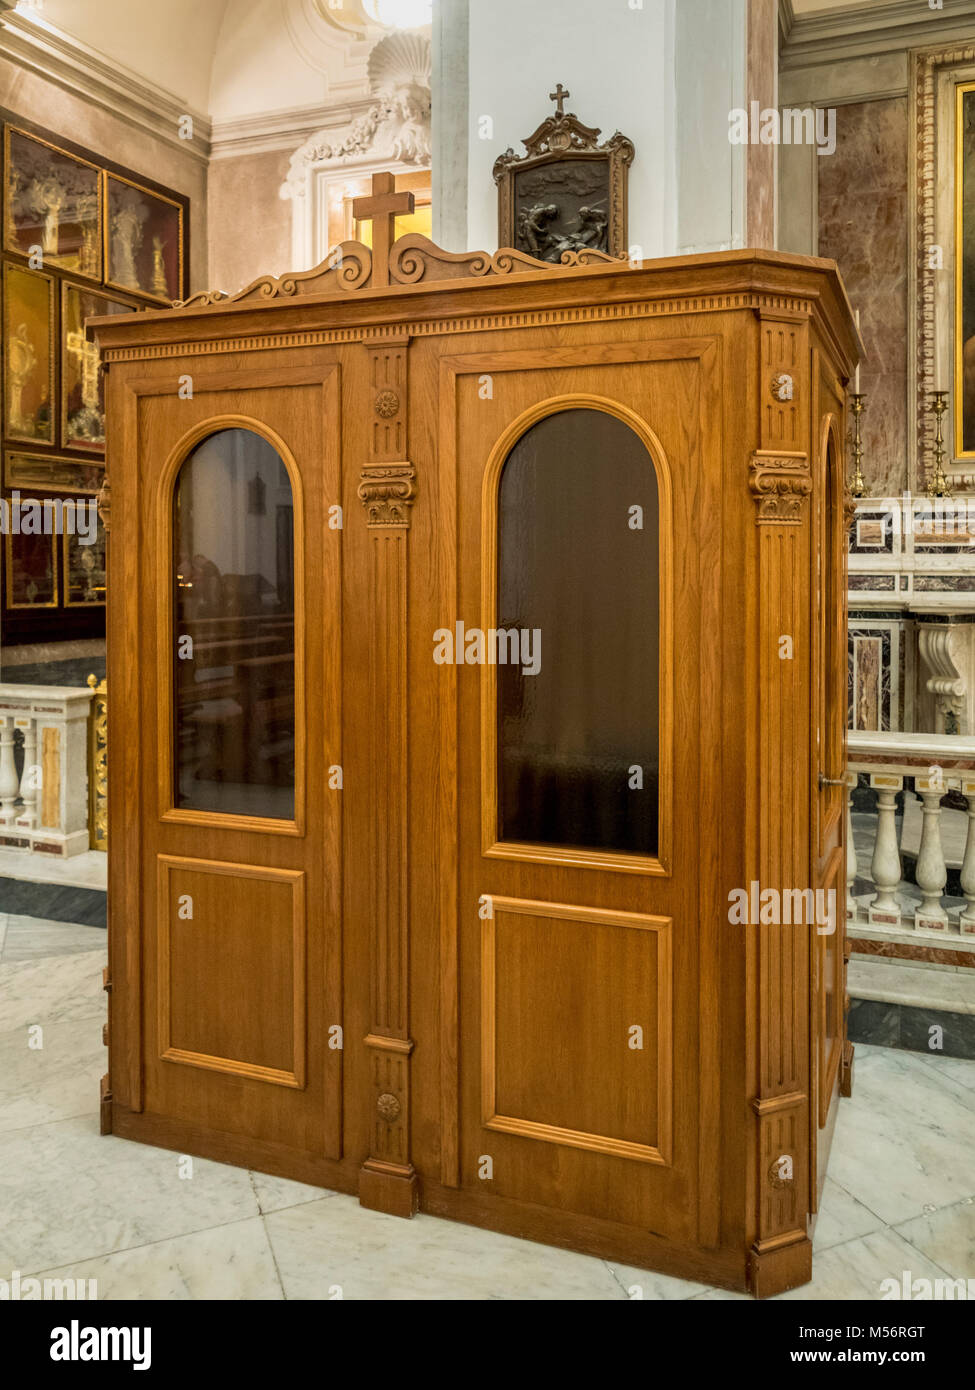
x: 934, y: 765
x: 44, y: 769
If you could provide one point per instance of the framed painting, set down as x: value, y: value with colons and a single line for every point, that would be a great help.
x: 84, y: 565
x: 30, y: 473
x: 965, y: 271
x: 82, y: 387
x: 28, y: 354
x: 143, y: 240
x: 30, y: 569
x: 53, y: 204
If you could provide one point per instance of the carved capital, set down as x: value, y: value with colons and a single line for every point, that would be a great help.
x: 780, y: 483
x: 104, y: 502
x: 849, y: 508
x: 387, y: 491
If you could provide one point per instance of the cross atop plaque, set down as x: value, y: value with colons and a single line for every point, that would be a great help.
x: 561, y: 96
x: 381, y: 207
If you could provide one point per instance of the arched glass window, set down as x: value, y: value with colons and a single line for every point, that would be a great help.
x: 234, y: 638
x: 578, y: 578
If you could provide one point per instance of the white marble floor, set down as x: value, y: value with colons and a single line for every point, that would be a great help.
x: 900, y: 1195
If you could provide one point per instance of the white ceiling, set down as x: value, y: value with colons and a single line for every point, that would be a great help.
x: 169, y: 42
x: 223, y: 58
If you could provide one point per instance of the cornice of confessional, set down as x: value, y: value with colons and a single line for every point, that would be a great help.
x: 430, y: 290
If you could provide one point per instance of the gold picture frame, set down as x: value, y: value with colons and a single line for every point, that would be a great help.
x: 35, y: 196
x: 25, y: 572
x: 964, y: 336
x: 28, y: 380
x: 82, y: 391
x: 26, y: 471
x: 78, y: 576
x: 138, y: 260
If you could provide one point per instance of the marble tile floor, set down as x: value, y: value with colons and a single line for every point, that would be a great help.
x: 900, y: 1194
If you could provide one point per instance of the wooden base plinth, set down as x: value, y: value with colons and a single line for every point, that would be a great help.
x: 778, y: 1270
x: 389, y: 1187
x: 846, y: 1069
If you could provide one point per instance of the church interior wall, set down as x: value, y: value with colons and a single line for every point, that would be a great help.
x: 622, y: 81
x: 867, y: 235
x: 242, y: 247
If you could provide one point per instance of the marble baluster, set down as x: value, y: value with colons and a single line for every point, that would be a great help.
x: 885, y: 866
x: 932, y: 872
x: 9, y: 781
x: 966, y: 921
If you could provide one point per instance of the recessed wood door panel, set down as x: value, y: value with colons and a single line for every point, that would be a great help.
x: 560, y: 986
x: 244, y: 927
x: 585, y: 1096
x: 241, y: 618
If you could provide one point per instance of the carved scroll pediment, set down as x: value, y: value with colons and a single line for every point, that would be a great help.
x: 412, y: 259
x: 415, y: 257
x: 347, y: 266
x: 558, y: 135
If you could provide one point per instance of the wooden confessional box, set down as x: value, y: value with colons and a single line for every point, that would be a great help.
x: 477, y: 645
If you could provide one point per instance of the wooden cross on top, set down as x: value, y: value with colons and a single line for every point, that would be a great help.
x: 381, y: 208
x: 561, y: 96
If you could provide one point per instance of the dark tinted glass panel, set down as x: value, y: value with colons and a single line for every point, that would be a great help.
x: 235, y: 633
x: 578, y: 575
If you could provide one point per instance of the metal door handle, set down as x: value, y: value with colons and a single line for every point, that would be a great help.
x: 825, y: 781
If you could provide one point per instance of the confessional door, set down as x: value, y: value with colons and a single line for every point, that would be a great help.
x: 585, y: 496
x: 829, y: 792
x: 240, y: 847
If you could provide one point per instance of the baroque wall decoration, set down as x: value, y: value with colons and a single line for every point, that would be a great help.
x: 393, y: 134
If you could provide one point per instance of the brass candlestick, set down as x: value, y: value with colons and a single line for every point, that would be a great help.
x: 858, y: 486
x: 938, y: 482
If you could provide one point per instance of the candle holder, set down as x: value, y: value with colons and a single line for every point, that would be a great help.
x: 858, y: 486
x: 938, y: 482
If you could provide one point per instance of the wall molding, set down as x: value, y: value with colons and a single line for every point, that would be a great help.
x: 867, y: 30
x: 285, y: 129
x: 56, y: 57
x: 787, y: 18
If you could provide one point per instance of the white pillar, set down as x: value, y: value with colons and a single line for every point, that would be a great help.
x: 885, y: 865
x: 932, y: 872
